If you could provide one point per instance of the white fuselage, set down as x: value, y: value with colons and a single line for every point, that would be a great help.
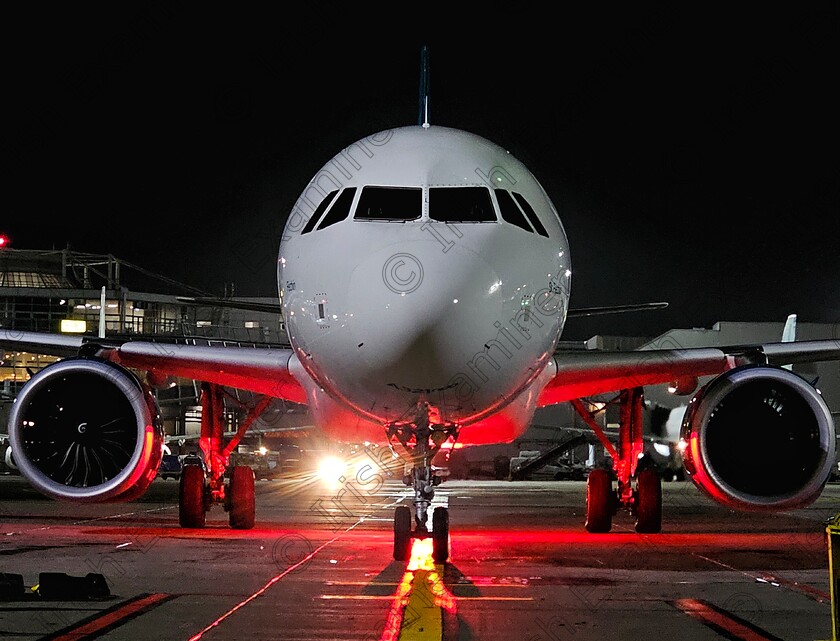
x: 384, y: 309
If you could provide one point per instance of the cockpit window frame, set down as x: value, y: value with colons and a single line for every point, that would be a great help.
x: 530, y: 213
x: 511, y: 212
x: 366, y: 191
x: 338, y: 207
x: 493, y: 209
x: 323, y: 206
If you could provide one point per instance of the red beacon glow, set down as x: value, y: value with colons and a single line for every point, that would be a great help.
x: 4, y: 241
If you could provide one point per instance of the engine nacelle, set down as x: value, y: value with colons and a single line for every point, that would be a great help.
x: 86, y: 430
x: 759, y: 438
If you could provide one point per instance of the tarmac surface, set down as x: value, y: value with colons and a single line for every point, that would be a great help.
x: 318, y: 565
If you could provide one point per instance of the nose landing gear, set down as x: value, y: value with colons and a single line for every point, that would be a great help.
x: 421, y: 440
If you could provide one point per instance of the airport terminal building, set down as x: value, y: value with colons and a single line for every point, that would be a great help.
x: 101, y: 295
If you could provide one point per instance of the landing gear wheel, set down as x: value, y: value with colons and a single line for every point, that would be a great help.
x: 191, y: 506
x: 649, y: 502
x: 599, y: 501
x: 241, y: 490
x: 440, y: 534
x: 402, y: 533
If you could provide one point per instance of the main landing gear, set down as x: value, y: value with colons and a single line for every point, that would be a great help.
x: 637, y: 488
x: 421, y: 440
x: 202, y: 482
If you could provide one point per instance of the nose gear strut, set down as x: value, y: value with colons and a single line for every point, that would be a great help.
x: 421, y: 440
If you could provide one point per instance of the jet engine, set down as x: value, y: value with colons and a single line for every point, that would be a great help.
x: 86, y: 430
x: 759, y: 438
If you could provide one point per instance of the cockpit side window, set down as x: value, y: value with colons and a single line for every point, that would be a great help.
x: 531, y: 214
x: 340, y: 210
x: 314, y: 218
x: 390, y: 204
x: 461, y: 205
x: 510, y: 210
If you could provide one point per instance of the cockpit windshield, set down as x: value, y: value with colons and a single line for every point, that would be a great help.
x: 394, y: 204
x: 461, y: 205
x: 473, y: 204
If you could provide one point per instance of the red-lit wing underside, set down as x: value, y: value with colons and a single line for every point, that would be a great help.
x: 261, y: 370
x: 578, y: 375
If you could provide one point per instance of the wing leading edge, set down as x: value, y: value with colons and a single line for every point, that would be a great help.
x: 262, y: 370
x: 580, y: 374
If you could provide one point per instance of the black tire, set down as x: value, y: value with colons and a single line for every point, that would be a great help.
x: 648, y: 506
x: 440, y: 535
x: 191, y: 506
x: 599, y: 501
x: 242, y: 504
x: 402, y: 533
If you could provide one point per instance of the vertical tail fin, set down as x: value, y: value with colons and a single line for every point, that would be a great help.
x: 789, y: 334
x: 423, y: 116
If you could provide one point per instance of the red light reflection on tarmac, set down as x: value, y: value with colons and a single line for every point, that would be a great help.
x: 421, y: 578
x: 728, y: 540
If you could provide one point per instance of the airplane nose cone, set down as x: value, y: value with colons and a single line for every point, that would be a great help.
x: 415, y: 311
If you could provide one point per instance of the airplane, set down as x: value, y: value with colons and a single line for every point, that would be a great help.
x: 425, y: 276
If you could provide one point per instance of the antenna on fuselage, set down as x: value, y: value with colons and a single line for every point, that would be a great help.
x: 423, y: 118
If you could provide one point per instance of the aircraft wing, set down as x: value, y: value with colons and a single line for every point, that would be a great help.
x: 578, y: 374
x: 38, y: 343
x: 264, y: 370
x: 574, y: 374
x: 615, y: 309
x: 204, y: 301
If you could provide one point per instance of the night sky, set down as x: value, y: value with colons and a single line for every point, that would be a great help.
x: 692, y: 154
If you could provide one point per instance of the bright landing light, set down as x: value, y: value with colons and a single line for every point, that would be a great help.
x: 331, y: 469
